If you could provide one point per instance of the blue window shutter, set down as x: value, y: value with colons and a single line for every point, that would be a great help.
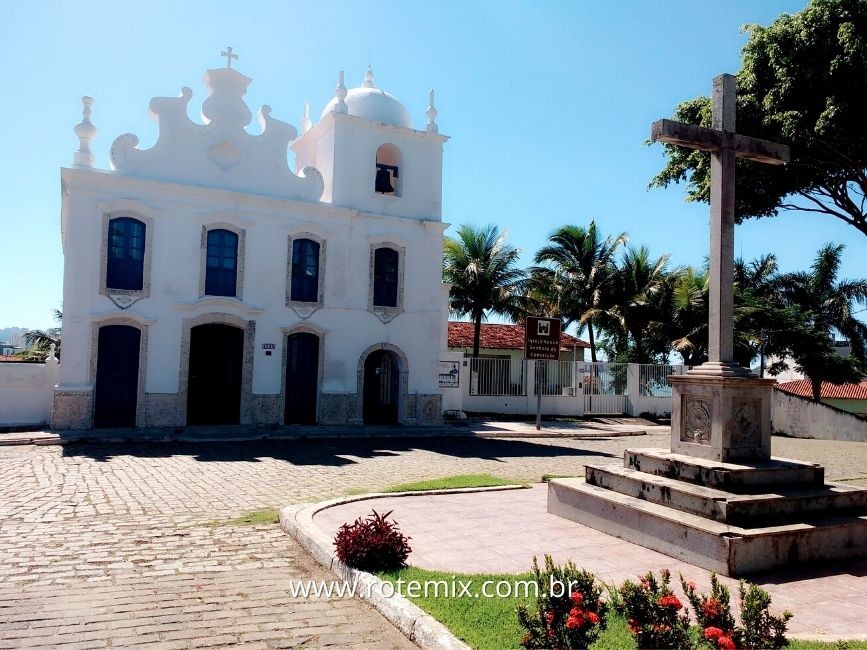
x: 126, y: 249
x: 385, y: 272
x: 221, y: 266
x: 305, y: 271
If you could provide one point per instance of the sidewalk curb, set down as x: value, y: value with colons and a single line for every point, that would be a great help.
x: 419, y: 627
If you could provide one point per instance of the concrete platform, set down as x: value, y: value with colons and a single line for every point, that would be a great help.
x: 747, y: 510
x: 728, y: 476
x: 730, y: 518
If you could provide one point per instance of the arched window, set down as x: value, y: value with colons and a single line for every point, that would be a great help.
x: 126, y: 252
x: 221, y: 269
x: 385, y: 277
x: 305, y: 271
x: 388, y: 169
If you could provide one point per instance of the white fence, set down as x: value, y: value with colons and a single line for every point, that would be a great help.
x: 26, y: 392
x: 509, y: 386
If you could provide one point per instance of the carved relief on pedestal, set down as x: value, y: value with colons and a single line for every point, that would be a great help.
x: 745, y: 423
x: 697, y: 421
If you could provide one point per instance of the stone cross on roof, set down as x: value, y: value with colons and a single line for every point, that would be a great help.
x: 725, y: 145
x: 229, y: 56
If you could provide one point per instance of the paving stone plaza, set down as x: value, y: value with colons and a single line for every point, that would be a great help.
x: 106, y: 545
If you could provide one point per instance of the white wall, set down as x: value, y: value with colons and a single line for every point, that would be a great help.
x: 178, y: 213
x: 26, y: 392
x: 800, y: 417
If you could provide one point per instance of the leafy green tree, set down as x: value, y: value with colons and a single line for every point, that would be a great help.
x: 803, y: 81
x: 578, y: 266
x: 483, y: 272
x: 818, y: 305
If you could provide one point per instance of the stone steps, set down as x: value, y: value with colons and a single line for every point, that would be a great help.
x: 731, y: 477
x: 747, y: 510
x: 708, y: 543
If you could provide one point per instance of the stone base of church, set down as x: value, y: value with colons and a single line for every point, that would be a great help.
x: 165, y: 410
x: 72, y: 409
x: 267, y: 410
x: 721, y: 417
x: 734, y: 519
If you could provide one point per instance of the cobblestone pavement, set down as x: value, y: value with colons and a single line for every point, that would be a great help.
x: 104, y: 545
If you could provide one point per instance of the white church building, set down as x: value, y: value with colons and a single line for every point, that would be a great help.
x: 207, y: 283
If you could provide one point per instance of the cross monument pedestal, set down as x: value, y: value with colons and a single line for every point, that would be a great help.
x: 717, y: 498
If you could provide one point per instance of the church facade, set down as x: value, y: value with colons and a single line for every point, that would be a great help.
x: 207, y: 283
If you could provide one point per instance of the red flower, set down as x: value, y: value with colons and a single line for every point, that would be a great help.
x: 577, y: 598
x: 632, y: 626
x: 712, y: 633
x: 550, y: 616
x: 574, y: 622
x: 725, y: 643
x: 712, y: 608
x: 593, y: 617
x: 690, y: 585
x: 670, y: 601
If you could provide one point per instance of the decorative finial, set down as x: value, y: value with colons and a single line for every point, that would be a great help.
x: 368, y: 78
x: 431, y: 114
x: 85, y: 131
x: 51, y: 356
x: 305, y: 121
x: 229, y: 56
x: 340, y: 93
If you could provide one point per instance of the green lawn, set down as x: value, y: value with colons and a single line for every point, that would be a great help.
x: 255, y: 518
x: 447, y: 483
x: 491, y: 623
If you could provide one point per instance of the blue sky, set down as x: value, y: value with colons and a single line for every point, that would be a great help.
x: 548, y: 105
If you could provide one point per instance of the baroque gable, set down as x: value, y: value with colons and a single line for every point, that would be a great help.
x: 219, y: 153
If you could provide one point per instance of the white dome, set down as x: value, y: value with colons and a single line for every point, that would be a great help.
x: 373, y: 104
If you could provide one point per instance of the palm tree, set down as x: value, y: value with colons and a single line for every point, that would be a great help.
x: 482, y: 270
x: 824, y: 305
x: 631, y: 307
x: 688, y: 327
x: 41, y: 340
x: 581, y: 262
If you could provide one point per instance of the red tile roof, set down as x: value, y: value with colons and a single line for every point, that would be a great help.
x: 500, y: 337
x: 803, y: 388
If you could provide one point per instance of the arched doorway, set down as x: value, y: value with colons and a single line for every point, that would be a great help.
x: 302, y: 378
x: 216, y: 362
x: 117, y: 365
x: 381, y: 387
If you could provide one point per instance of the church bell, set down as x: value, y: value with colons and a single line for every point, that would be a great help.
x: 383, y: 178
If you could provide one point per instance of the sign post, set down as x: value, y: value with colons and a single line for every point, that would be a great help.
x: 541, y: 343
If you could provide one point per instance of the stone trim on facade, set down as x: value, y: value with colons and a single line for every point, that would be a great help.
x: 203, y: 262
x: 387, y: 314
x: 306, y: 309
x: 219, y: 318
x: 402, y: 386
x: 125, y: 298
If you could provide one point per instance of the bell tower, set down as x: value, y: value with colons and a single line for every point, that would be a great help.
x: 370, y: 156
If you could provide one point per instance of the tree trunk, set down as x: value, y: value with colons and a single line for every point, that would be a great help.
x: 592, y: 341
x: 477, y: 333
x: 817, y: 389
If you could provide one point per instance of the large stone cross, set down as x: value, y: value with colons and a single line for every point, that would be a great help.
x: 725, y: 145
x: 720, y: 411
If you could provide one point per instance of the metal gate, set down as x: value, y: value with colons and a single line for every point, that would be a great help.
x: 604, y: 388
